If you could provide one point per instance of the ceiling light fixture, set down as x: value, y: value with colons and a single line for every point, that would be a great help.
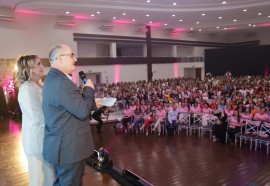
x: 148, y: 1
x: 191, y: 28
x: 173, y: 15
x: 147, y: 15
x: 67, y: 12
x: 259, y: 13
x: 220, y: 17
x: 197, y: 22
x: 133, y: 20
x: 92, y: 15
x: 244, y: 10
x: 269, y: 16
x: 200, y: 30
x: 254, y: 25
x: 234, y: 20
x: 249, y: 24
x: 165, y: 24
x: 114, y: 17
x: 124, y: 14
x: 98, y: 12
x: 150, y: 22
x: 174, y: 4
x: 224, y: 2
x: 225, y: 28
x: 203, y: 14
x: 217, y: 27
x: 180, y: 20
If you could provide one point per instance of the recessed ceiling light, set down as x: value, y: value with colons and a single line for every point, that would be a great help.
x: 165, y: 24
x: 249, y: 24
x: 67, y: 12
x: 200, y: 30
x: 174, y: 4
x: 114, y: 17
x: 133, y: 20
x: 254, y: 25
x: 191, y: 28
x: 220, y: 17
x: 234, y: 20
x: 203, y: 14
x: 269, y: 16
x: 92, y: 15
x: 98, y: 12
x: 259, y: 13
x: 225, y: 28
x: 124, y: 14
x: 173, y: 15
x: 244, y: 10
x: 180, y: 20
x: 147, y: 15
x: 150, y: 22
x: 197, y: 22
x: 217, y: 27
x: 224, y: 2
x: 148, y: 1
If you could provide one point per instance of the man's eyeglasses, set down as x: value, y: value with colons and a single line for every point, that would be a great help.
x: 71, y: 55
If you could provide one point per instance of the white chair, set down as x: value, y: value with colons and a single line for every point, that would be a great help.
x: 250, y: 133
x: 184, y: 122
x: 263, y: 136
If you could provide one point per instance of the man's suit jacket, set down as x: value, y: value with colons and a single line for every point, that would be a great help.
x: 68, y: 136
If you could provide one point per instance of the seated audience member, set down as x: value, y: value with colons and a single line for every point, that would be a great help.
x: 206, y: 109
x: 148, y: 118
x: 246, y: 115
x: 195, y: 108
x: 128, y: 113
x: 234, y: 126
x: 229, y: 111
x: 97, y: 115
x: 172, y: 120
x: 220, y: 126
x: 137, y: 118
x: 261, y: 116
x: 160, y: 117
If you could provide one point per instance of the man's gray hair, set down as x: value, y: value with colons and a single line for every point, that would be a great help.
x: 55, y: 51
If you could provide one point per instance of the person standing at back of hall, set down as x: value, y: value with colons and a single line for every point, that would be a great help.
x: 30, y: 71
x: 68, y: 138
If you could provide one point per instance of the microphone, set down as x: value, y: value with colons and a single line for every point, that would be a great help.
x: 82, y: 76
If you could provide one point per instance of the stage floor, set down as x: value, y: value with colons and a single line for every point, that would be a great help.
x: 161, y: 160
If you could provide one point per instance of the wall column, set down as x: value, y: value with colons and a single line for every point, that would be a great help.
x: 113, y: 49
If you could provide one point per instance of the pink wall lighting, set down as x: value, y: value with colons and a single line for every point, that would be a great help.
x: 175, y: 69
x: 116, y: 73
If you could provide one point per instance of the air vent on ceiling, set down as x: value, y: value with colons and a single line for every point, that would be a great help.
x: 6, y: 14
x: 106, y: 26
x: 65, y: 21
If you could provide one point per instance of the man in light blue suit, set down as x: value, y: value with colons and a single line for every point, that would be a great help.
x: 67, y: 137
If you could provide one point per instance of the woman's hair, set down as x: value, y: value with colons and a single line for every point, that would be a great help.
x: 24, y: 65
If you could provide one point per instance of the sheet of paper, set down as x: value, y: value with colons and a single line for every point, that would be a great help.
x: 108, y: 101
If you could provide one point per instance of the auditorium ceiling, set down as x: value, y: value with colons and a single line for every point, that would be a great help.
x: 186, y: 15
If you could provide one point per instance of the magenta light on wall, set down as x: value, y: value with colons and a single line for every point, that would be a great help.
x: 121, y: 21
x: 8, y: 86
x: 81, y: 17
x: 175, y: 69
x: 116, y: 73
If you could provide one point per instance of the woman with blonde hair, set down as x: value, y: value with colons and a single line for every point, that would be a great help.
x: 30, y: 71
